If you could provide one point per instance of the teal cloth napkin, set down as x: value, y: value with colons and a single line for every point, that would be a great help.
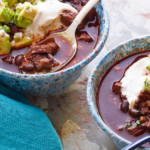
x: 23, y: 126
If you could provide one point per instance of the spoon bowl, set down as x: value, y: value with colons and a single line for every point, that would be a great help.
x: 69, y: 34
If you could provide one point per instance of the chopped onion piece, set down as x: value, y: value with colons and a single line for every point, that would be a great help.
x: 29, y: 10
x: 146, y: 72
x: 19, y: 6
x: 19, y: 34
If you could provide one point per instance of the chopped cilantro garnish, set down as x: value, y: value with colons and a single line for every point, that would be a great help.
x: 128, y: 126
x: 137, y: 112
x: 138, y: 122
x: 145, y: 82
x: 148, y: 68
x: 43, y: 0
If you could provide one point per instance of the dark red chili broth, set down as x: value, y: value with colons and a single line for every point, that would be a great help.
x: 108, y: 103
x: 84, y: 48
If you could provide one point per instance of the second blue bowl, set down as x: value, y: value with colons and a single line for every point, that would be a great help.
x: 105, y: 63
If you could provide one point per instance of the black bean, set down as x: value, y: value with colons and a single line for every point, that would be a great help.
x: 14, y: 29
x: 134, y: 112
x: 137, y: 103
x: 19, y: 59
x: 27, y: 66
x: 125, y: 106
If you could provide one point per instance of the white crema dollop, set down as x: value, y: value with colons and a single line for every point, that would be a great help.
x: 133, y: 81
x: 48, y: 17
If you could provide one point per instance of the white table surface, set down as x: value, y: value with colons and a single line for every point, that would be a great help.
x: 68, y: 110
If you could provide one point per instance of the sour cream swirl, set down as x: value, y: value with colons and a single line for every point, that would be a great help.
x: 133, y: 81
x: 48, y: 17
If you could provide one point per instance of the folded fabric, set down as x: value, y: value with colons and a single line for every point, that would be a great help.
x: 23, y: 126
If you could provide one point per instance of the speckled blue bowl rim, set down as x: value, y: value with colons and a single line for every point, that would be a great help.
x: 90, y: 91
x: 84, y: 62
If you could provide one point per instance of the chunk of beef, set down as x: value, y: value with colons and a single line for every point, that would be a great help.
x: 27, y: 67
x: 82, y: 24
x: 143, y: 119
x: 83, y: 2
x: 148, y: 103
x: 46, y: 63
x: 54, y: 46
x: 14, y: 29
x: 148, y: 124
x: 84, y: 21
x: 73, y: 1
x: 144, y: 110
x: 143, y: 104
x: 136, y: 131
x: 144, y: 95
x: 8, y: 59
x: 117, y: 87
x: 91, y: 15
x: 79, y: 8
x: 67, y: 17
x: 51, y: 48
x: 76, y: 1
x: 42, y: 62
x: 85, y: 36
x: 41, y: 56
x: 19, y: 59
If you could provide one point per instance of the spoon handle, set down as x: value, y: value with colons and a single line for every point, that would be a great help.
x: 85, y: 10
x: 137, y: 143
x: 81, y: 15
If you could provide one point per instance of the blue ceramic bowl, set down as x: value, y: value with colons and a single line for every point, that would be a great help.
x: 53, y: 82
x: 118, y: 53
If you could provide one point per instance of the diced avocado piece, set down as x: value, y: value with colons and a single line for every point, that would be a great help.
x: 25, y: 42
x: 22, y: 22
x: 24, y: 15
x: 16, y: 37
x: 10, y: 2
x: 6, y: 14
x: 5, y: 28
x: 5, y: 46
x: 29, y: 11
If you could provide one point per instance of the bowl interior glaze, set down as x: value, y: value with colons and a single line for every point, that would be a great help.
x: 103, y: 65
